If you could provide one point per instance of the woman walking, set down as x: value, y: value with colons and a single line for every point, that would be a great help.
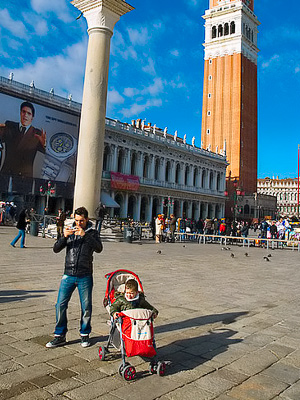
x: 21, y: 225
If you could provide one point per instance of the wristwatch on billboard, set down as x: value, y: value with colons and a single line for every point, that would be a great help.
x: 60, y: 148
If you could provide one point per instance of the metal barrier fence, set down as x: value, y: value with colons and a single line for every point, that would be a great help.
x: 235, y: 240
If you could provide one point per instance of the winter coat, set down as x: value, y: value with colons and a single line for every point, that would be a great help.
x: 79, y: 251
x: 121, y: 304
x: 22, y: 221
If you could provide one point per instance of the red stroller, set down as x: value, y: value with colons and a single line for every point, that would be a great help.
x: 132, y: 331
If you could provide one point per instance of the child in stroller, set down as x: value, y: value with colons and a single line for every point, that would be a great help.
x: 133, y: 316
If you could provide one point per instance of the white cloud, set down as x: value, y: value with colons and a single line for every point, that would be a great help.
x: 131, y: 92
x: 175, y: 53
x: 297, y: 70
x: 37, y: 22
x: 114, y: 97
x: 149, y: 68
x: 63, y: 72
x: 17, y: 28
x: 59, y: 7
x: 135, y: 109
x: 154, y: 89
x: 271, y: 61
x: 138, y: 37
x: 120, y: 48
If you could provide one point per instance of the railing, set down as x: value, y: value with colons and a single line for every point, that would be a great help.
x: 235, y: 240
x: 25, y: 90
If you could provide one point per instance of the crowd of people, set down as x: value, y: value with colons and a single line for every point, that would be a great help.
x: 164, y: 228
x: 8, y: 212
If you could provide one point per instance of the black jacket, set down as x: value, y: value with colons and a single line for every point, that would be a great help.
x: 22, y: 220
x: 79, y: 251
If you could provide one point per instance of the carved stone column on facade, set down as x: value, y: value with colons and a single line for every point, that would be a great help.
x: 151, y: 166
x: 149, y: 209
x: 137, y: 208
x: 162, y: 169
x: 114, y: 165
x: 140, y: 164
x: 127, y: 166
x: 180, y: 209
x: 124, y: 208
x: 173, y: 171
x: 191, y: 175
x: 182, y: 173
x: 101, y: 16
x: 189, y: 209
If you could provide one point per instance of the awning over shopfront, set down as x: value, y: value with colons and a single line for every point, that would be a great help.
x: 108, y: 201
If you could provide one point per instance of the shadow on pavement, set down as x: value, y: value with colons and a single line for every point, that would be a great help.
x: 7, y: 296
x: 225, y: 318
x: 193, y: 352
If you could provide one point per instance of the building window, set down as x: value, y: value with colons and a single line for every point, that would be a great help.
x: 209, y: 95
x: 207, y: 131
x: 209, y: 77
x: 226, y: 29
x: 208, y: 113
x: 220, y: 30
x: 232, y: 27
x: 214, y: 32
x: 210, y: 61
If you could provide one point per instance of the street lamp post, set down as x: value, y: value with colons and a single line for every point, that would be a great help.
x: 298, y: 181
x: 50, y: 191
x: 237, y: 195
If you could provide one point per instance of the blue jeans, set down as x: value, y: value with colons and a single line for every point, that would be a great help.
x: 99, y: 225
x: 67, y: 286
x: 21, y: 235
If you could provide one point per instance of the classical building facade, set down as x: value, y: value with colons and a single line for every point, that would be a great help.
x: 229, y: 113
x: 285, y: 191
x: 146, y: 171
x: 171, y: 176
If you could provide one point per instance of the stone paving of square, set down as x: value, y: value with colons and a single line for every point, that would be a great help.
x: 228, y: 325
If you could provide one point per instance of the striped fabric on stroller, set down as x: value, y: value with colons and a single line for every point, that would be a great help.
x: 132, y: 332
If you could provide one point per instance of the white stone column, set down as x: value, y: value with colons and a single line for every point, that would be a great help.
x: 101, y: 16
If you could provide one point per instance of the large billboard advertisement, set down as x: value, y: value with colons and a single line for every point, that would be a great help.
x: 37, y: 141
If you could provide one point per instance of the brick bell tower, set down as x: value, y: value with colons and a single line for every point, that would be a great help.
x: 229, y: 114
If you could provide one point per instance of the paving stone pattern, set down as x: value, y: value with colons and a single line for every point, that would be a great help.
x: 229, y: 326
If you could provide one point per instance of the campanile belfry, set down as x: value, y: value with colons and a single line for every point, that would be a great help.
x: 229, y: 114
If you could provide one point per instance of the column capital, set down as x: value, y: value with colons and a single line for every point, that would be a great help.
x: 102, y: 13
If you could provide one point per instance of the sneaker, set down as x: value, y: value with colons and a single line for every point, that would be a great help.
x: 57, y: 341
x: 85, y: 341
x: 12, y: 245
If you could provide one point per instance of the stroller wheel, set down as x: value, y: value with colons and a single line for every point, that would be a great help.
x: 102, y: 353
x: 129, y: 373
x: 161, y: 368
x: 121, y: 367
x: 152, y: 368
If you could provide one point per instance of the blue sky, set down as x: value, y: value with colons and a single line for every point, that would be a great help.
x: 156, y: 66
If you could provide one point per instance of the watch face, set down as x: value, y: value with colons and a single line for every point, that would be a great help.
x: 62, y: 145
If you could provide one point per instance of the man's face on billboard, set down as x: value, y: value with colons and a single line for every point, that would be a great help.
x: 26, y: 116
